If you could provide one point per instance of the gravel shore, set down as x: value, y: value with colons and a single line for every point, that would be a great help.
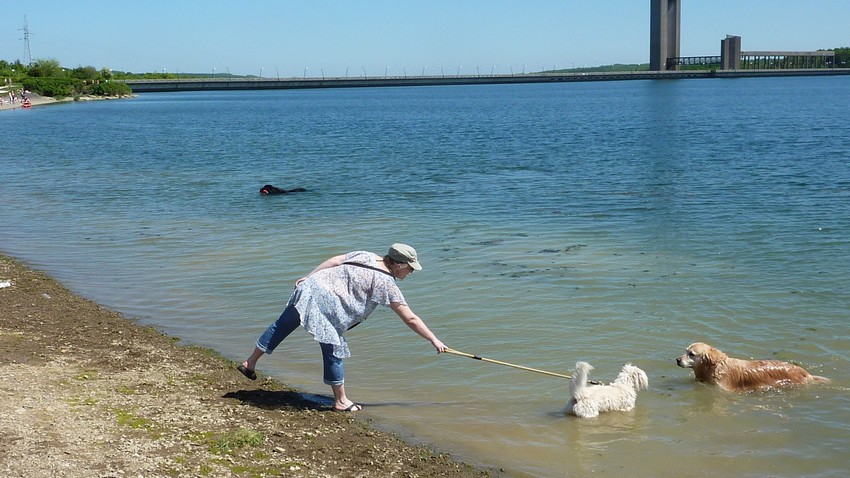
x: 86, y: 392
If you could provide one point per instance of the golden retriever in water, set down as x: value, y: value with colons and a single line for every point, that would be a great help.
x: 714, y: 367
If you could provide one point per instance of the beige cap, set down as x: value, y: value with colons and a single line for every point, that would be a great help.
x: 404, y: 253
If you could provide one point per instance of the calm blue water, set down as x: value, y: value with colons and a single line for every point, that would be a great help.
x: 606, y: 222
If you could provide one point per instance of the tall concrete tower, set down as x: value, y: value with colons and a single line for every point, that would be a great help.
x: 665, y: 19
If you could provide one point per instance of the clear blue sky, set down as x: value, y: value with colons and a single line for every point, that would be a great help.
x: 290, y: 38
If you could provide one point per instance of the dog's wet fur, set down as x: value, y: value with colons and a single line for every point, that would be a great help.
x: 272, y: 190
x: 714, y: 367
x: 588, y: 401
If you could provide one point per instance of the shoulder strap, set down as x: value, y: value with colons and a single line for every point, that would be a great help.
x: 365, y: 267
x: 368, y: 267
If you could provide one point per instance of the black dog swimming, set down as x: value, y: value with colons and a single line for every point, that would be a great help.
x: 269, y: 189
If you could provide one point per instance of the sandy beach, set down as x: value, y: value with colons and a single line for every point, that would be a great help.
x: 35, y: 100
x: 38, y: 100
x: 87, y: 392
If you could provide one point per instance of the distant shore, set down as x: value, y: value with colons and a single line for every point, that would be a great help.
x: 35, y: 100
x: 38, y: 100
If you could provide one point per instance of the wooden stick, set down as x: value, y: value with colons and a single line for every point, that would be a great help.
x: 483, y: 359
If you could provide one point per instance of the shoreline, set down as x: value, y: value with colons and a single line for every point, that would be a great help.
x: 35, y: 100
x: 93, y: 393
x: 38, y: 100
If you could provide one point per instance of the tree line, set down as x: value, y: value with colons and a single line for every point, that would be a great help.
x: 842, y: 57
x: 49, y: 78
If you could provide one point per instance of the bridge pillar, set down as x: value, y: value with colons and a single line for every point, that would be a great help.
x: 730, y: 53
x: 665, y: 19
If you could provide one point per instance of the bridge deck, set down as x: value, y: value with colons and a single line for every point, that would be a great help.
x: 200, y: 84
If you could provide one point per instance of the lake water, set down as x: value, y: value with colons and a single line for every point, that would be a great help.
x: 609, y: 222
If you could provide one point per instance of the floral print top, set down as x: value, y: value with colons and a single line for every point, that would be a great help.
x: 331, y: 301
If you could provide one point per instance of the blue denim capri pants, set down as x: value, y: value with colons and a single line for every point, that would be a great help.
x: 289, y: 320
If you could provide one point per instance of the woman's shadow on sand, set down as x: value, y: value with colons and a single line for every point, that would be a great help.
x: 277, y: 399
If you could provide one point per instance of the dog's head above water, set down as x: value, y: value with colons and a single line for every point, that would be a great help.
x: 699, y: 353
x: 269, y: 189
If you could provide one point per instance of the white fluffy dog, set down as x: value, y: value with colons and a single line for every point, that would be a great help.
x: 588, y: 401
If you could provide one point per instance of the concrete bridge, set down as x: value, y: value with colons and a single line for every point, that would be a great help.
x: 208, y: 84
x: 665, y: 21
x: 665, y: 37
